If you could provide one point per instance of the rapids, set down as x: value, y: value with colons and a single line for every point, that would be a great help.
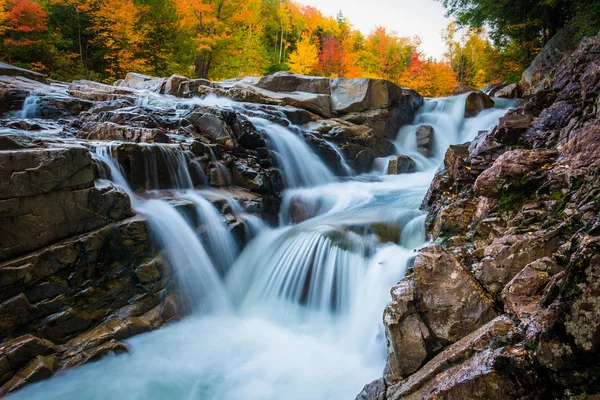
x: 296, y: 314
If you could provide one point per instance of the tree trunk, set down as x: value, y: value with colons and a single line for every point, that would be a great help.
x: 202, y: 65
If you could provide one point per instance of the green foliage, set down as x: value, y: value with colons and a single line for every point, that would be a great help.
x: 522, y: 27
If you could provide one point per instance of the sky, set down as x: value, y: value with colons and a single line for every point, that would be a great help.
x: 424, y: 18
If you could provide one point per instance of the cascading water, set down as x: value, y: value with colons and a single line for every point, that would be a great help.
x: 31, y: 108
x: 298, y: 314
x: 299, y: 165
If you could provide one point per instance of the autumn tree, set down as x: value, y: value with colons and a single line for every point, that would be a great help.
x: 386, y: 55
x: 306, y: 56
x: 24, y: 24
x: 333, y: 58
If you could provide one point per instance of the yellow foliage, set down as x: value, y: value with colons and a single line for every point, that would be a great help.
x: 306, y: 56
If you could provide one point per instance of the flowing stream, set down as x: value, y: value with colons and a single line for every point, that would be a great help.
x: 296, y: 314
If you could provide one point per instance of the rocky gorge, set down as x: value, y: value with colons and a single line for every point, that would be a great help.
x: 290, y: 198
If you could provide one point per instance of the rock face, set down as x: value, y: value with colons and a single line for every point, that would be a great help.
x: 506, y: 304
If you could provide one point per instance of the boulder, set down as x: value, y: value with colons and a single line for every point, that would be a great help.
x: 522, y: 294
x: 181, y: 86
x: 408, y: 338
x: 359, y: 144
x: 476, y: 102
x: 137, y: 81
x: 361, y: 94
x: 401, y: 164
x: 425, y: 137
x: 511, y: 127
x: 211, y: 126
x: 387, y: 121
x: 448, y: 296
x: 286, y: 82
x: 10, y: 70
x: 462, y: 89
x: 512, y: 91
x: 40, y: 368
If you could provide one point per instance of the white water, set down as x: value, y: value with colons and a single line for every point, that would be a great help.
x: 298, y: 315
x: 299, y: 165
x: 31, y: 107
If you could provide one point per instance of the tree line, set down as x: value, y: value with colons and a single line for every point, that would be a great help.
x: 102, y: 40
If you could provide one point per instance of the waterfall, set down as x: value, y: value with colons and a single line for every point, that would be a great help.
x: 31, y: 106
x: 296, y: 314
x: 222, y: 247
x: 153, y: 166
x: 194, y: 268
x: 299, y: 165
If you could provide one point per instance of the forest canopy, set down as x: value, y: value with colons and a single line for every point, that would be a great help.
x: 218, y: 39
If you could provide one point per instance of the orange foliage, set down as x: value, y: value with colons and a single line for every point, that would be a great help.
x: 429, y: 78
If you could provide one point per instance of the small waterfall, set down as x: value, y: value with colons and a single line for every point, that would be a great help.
x: 348, y: 171
x: 31, y: 107
x: 195, y: 270
x: 299, y: 165
x: 221, y: 245
x: 154, y: 166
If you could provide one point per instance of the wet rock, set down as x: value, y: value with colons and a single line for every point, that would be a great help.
x: 286, y: 82
x: 463, y: 359
x: 511, y: 127
x: 360, y: 144
x: 37, y: 171
x: 425, y: 140
x: 375, y: 390
x: 448, y: 297
x: 112, y: 131
x: 21, y: 350
x: 476, y: 102
x: 515, y: 167
x: 452, y: 219
x: 10, y: 70
x: 94, y: 91
x: 462, y: 89
x: 581, y: 151
x: 387, y: 120
x: 512, y: 91
x: 401, y: 164
x: 40, y: 368
x: 437, y: 306
x: 407, y: 335
x: 209, y: 125
x: 27, y: 223
x: 505, y: 257
x: 523, y: 293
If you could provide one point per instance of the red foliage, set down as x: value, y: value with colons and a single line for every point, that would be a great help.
x: 26, y: 16
x: 332, y: 60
